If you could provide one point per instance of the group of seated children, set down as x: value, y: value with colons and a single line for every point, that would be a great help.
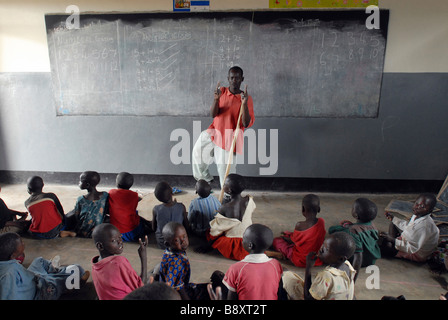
x: 225, y: 227
x: 48, y: 220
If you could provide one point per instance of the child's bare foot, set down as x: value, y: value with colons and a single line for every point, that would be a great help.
x: 64, y: 234
x: 275, y: 254
x: 85, y: 277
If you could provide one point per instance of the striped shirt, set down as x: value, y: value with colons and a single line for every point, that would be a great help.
x: 201, y: 212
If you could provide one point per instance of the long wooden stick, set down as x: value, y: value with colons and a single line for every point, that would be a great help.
x: 232, y: 148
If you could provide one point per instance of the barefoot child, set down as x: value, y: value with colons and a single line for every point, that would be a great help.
x: 90, y: 209
x: 308, y: 235
x: 9, y: 221
x: 112, y: 274
x: 47, y: 214
x: 41, y: 281
x: 256, y: 277
x: 168, y: 210
x: 363, y: 232
x: 336, y: 281
x: 123, y: 209
x: 203, y: 209
x: 227, y: 228
x: 416, y: 239
x: 175, y: 266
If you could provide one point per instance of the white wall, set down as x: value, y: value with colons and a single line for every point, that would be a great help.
x: 418, y: 31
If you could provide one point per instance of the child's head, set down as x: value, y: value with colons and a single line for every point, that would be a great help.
x: 35, y: 184
x: 163, y: 192
x: 11, y: 247
x: 124, y: 180
x: 257, y: 238
x: 234, y: 184
x: 203, y: 188
x: 337, y: 248
x: 107, y: 239
x: 89, y: 179
x: 154, y: 291
x: 311, y: 204
x: 364, y: 210
x: 175, y: 236
x: 424, y: 204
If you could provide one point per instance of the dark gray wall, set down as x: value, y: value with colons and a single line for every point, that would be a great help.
x: 407, y: 141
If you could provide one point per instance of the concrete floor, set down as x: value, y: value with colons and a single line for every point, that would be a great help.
x: 279, y: 211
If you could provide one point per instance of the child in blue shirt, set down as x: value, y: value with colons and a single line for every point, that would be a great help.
x: 175, y: 267
x: 202, y: 209
x: 41, y: 281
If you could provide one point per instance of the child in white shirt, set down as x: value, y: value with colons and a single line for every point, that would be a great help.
x: 415, y: 239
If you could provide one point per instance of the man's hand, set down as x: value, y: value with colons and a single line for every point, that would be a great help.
x: 244, y: 95
x: 218, y: 91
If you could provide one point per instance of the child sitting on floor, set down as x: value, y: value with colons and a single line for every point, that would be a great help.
x: 112, y: 274
x: 41, y: 281
x: 168, y: 210
x: 47, y: 214
x: 123, y: 209
x: 336, y: 281
x: 256, y: 277
x: 175, y: 266
x: 9, y: 221
x: 229, y: 224
x: 415, y: 239
x: 363, y: 232
x: 202, y: 209
x: 90, y: 209
x: 308, y: 235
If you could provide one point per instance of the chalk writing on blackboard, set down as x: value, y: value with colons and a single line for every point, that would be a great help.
x: 297, y: 64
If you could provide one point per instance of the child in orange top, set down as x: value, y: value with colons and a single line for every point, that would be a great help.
x: 47, y: 214
x: 308, y: 235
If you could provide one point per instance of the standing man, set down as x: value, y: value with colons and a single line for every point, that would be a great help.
x: 215, y: 142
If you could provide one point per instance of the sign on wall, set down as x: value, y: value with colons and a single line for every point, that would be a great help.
x: 187, y: 5
x: 322, y: 3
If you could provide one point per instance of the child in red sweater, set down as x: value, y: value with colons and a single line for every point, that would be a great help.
x: 112, y: 274
x: 123, y: 209
x: 256, y: 277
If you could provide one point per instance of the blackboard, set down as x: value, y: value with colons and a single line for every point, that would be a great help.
x: 296, y: 63
x: 401, y: 207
